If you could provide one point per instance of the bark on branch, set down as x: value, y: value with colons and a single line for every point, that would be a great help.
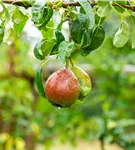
x: 65, y: 4
x: 18, y: 3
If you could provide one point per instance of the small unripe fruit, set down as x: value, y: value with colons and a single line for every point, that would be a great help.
x: 62, y: 88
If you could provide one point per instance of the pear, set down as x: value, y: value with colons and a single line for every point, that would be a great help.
x: 62, y: 88
x: 84, y: 81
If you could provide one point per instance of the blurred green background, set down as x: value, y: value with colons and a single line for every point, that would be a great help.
x: 106, y: 116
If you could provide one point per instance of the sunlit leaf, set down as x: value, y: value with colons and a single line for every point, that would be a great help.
x: 47, y: 46
x: 19, y: 27
x: 17, y: 16
x: 65, y: 50
x: 10, y: 35
x: 6, y: 13
x: 48, y: 31
x: 122, y: 35
x: 39, y: 11
x: 104, y: 10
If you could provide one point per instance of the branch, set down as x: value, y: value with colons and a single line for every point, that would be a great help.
x: 65, y: 4
x: 19, y: 3
x: 125, y: 6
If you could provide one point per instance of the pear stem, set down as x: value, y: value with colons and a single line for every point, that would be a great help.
x: 67, y: 63
x: 71, y: 61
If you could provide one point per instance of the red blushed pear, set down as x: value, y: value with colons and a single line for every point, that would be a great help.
x: 62, y: 88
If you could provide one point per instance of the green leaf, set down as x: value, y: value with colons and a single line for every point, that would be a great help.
x: 133, y: 19
x: 99, y: 20
x: 97, y: 40
x: 47, y: 17
x: 6, y: 16
x: 133, y: 39
x: 28, y: 3
x: 19, y: 20
x: 87, y: 37
x: 48, y: 31
x: 82, y: 11
x: 59, y: 27
x: 59, y: 38
x: 38, y: 82
x: 122, y: 35
x: 19, y: 27
x: 119, y: 8
x: 124, y: 2
x: 17, y: 16
x: 37, y: 51
x: 9, y: 36
x: 72, y: 12
x: 39, y: 11
x: 133, y: 33
x: 104, y: 10
x: 65, y: 50
x: 100, y: 3
x: 77, y: 29
x: 47, y: 46
x: 85, y: 51
x: 1, y: 34
x: 89, y: 12
x: 43, y: 48
x: 41, y: 14
x: 83, y: 19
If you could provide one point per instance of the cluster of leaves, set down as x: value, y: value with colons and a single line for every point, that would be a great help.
x: 12, y: 23
x: 85, y: 27
x: 84, y: 33
x: 84, y: 23
x: 123, y: 33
